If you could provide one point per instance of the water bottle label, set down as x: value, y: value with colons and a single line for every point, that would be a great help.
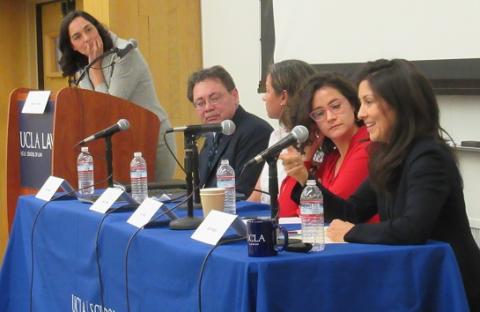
x: 311, y: 207
x: 225, y: 183
x: 312, y: 218
x: 85, y: 167
x: 138, y: 174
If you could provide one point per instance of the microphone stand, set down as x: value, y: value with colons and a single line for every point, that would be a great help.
x: 196, y: 178
x: 108, y: 159
x: 189, y: 222
x: 273, y: 186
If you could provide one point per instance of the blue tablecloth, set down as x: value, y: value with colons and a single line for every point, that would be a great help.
x: 164, y: 266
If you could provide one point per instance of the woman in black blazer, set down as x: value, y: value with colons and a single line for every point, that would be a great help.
x: 414, y: 182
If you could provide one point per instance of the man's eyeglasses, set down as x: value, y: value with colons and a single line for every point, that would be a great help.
x: 320, y: 114
x: 214, y: 99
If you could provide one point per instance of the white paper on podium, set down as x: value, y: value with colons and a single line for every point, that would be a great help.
x: 36, y: 102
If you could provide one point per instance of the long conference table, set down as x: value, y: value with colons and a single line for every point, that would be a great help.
x: 164, y: 266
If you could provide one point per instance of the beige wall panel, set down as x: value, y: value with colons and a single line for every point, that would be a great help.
x: 169, y: 36
x: 175, y: 50
x: 51, y: 19
x: 13, y: 74
x: 98, y: 8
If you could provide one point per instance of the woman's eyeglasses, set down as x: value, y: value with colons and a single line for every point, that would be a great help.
x: 320, y: 114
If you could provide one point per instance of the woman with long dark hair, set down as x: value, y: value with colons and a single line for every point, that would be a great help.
x: 414, y: 182
x: 82, y: 40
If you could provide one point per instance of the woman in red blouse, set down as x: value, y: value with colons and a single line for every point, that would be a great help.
x: 336, y: 154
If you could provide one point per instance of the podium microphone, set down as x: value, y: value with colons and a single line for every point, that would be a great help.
x: 299, y: 134
x: 121, y: 125
x: 227, y: 127
x: 132, y: 44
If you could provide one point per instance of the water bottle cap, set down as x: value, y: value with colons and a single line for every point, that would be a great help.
x: 224, y: 162
x: 311, y: 182
x: 137, y: 154
x: 84, y: 149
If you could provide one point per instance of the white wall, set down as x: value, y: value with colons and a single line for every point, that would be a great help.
x: 459, y: 116
x: 231, y: 37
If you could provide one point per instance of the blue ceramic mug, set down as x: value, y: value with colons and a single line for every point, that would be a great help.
x: 262, y: 237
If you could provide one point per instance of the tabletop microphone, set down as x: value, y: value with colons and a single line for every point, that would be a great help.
x: 226, y: 127
x: 299, y: 134
x: 121, y: 125
x: 132, y: 44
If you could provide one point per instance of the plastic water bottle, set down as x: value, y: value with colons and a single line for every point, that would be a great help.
x: 85, y: 173
x: 138, y: 177
x: 226, y: 179
x: 311, y: 214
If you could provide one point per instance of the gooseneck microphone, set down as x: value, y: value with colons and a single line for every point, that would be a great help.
x: 132, y: 44
x: 226, y: 127
x: 299, y: 134
x: 121, y: 125
x: 120, y: 52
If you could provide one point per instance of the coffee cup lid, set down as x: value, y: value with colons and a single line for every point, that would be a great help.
x: 212, y: 190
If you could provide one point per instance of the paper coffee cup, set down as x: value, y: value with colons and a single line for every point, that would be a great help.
x: 212, y: 198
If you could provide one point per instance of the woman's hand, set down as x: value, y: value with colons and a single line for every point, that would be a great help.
x: 338, y: 229
x: 294, y: 166
x: 94, y: 50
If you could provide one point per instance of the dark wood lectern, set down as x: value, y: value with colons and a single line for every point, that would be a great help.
x: 76, y: 114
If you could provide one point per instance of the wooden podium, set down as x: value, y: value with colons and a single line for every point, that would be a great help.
x: 72, y: 115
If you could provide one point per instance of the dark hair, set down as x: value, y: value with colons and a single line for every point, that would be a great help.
x: 71, y: 61
x: 214, y: 72
x: 409, y: 94
x: 302, y: 109
x: 288, y: 76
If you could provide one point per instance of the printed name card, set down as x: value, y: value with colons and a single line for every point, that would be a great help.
x: 49, y: 188
x: 36, y: 102
x: 214, y: 226
x: 144, y: 212
x: 106, y: 200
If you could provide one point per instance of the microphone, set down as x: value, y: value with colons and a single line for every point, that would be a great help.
x: 299, y: 134
x: 227, y: 127
x: 121, y: 125
x: 132, y: 44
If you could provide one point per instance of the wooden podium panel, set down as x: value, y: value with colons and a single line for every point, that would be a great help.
x: 80, y: 113
x: 77, y: 114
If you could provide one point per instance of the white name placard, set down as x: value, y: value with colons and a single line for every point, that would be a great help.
x: 49, y: 188
x: 144, y: 212
x: 36, y: 102
x: 106, y: 200
x: 214, y: 226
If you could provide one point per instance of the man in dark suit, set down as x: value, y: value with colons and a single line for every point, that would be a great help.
x: 215, y: 98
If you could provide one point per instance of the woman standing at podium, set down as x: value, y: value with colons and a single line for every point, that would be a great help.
x: 83, y: 39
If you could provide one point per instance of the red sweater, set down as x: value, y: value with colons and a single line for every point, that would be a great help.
x: 351, y: 174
